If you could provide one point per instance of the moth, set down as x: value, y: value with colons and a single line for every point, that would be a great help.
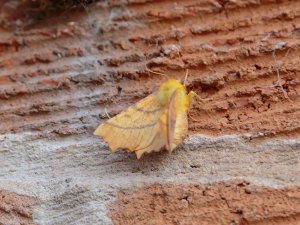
x: 157, y: 122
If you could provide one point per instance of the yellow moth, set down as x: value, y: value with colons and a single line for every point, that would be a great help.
x: 157, y: 122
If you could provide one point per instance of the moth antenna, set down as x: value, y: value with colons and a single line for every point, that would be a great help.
x: 192, y: 118
x: 106, y: 113
x: 154, y: 72
x: 186, y: 71
x: 186, y: 76
x: 202, y: 100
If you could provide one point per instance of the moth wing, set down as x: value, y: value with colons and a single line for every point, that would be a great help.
x: 177, y: 119
x: 167, y: 122
x: 181, y: 129
x: 137, y: 129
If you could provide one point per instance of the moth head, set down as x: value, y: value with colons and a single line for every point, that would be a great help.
x: 167, y: 89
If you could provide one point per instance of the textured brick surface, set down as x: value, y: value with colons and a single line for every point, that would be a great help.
x: 60, y: 75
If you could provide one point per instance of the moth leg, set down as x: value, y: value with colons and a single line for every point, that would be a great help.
x: 193, y: 118
x: 193, y: 94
